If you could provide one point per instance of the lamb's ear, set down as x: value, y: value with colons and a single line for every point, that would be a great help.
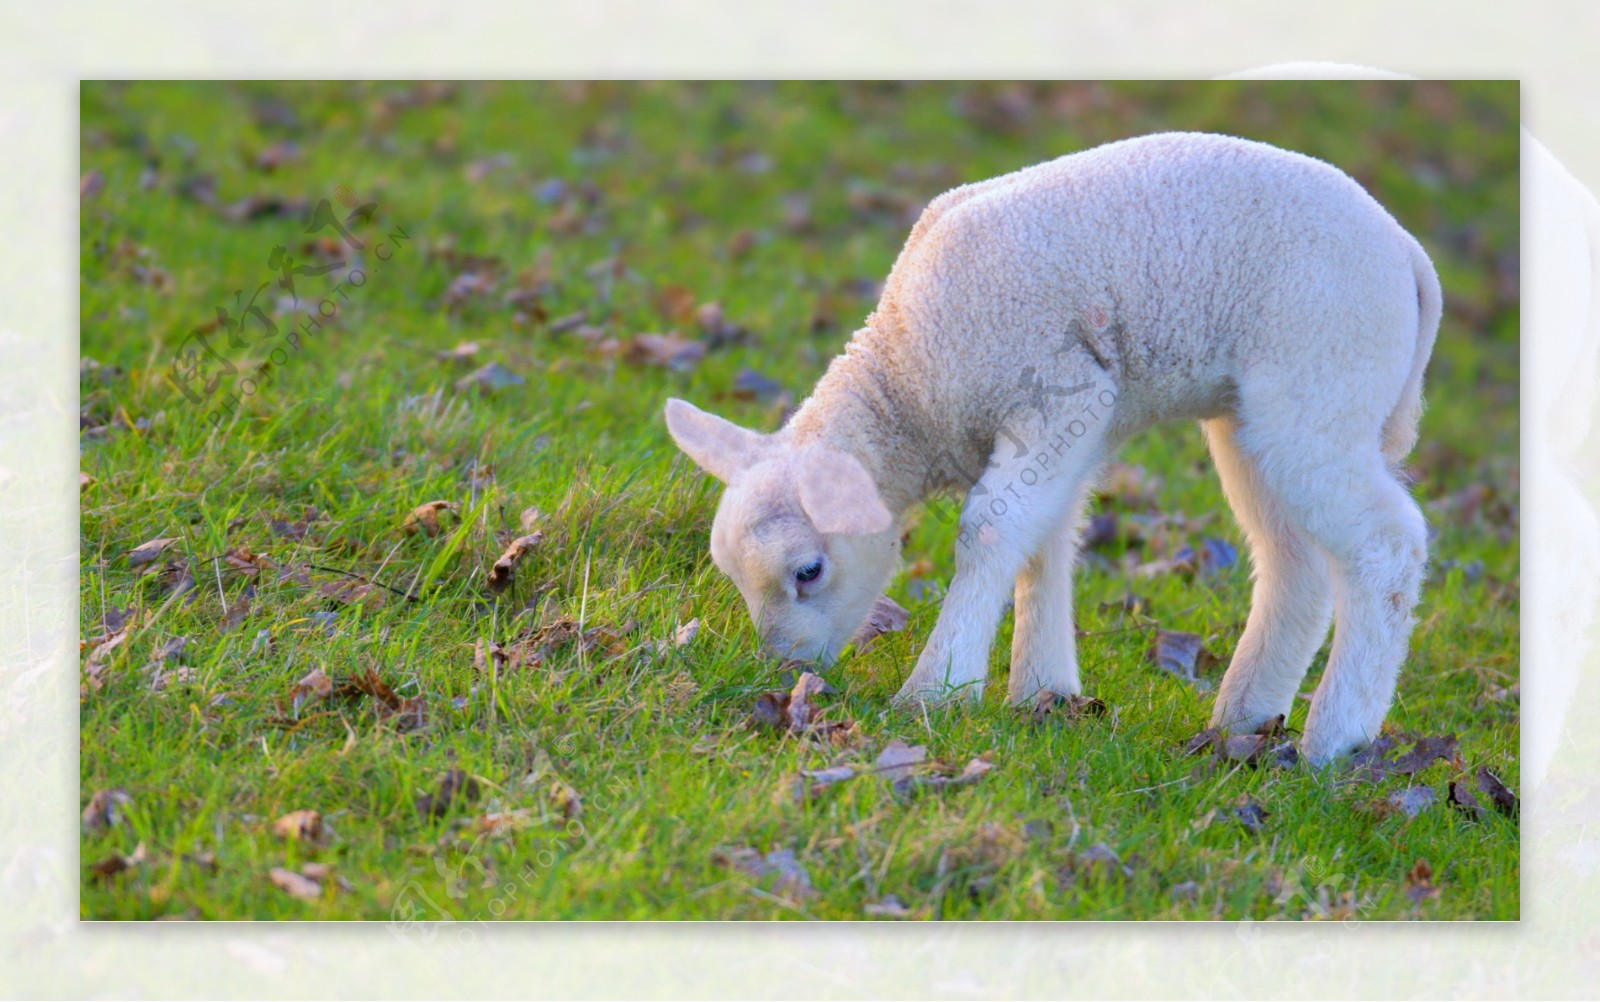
x: 719, y: 447
x: 838, y: 494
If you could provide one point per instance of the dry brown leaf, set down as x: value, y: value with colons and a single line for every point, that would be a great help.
x: 147, y: 552
x: 794, y: 712
x: 489, y: 378
x: 117, y: 863
x: 898, y: 759
x: 812, y: 783
x: 1049, y: 704
x: 239, y: 611
x: 1462, y: 799
x: 668, y: 351
x: 315, y: 684
x: 1499, y: 794
x: 464, y: 351
x: 1182, y: 654
x: 686, y: 633
x: 887, y: 616
x: 1413, y: 800
x: 502, y: 822
x: 489, y: 657
x: 105, y: 809
x: 1376, y: 763
x: 1419, y: 886
x: 100, y: 658
x: 282, y: 152
x: 301, y: 826
x: 504, y: 570
x: 296, y: 884
x: 790, y: 875
x: 425, y: 517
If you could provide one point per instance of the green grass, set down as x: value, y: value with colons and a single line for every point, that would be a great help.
x: 678, y: 195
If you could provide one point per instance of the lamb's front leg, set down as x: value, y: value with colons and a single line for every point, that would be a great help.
x: 1044, y: 654
x: 1002, y: 525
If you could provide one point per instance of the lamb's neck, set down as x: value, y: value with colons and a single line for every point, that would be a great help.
x: 854, y: 409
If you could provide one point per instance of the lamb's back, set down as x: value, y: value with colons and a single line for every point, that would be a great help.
x: 1183, y: 256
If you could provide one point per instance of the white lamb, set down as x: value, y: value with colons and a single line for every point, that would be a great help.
x: 1033, y: 323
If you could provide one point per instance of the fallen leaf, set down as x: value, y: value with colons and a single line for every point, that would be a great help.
x: 889, y: 907
x: 1499, y: 794
x: 489, y: 657
x: 898, y: 759
x: 254, y: 207
x: 887, y: 616
x: 686, y: 633
x: 1413, y: 800
x: 147, y: 552
x: 1251, y: 815
x: 117, y: 863
x: 1182, y: 654
x: 301, y: 826
x: 1049, y: 704
x: 297, y: 885
x: 713, y: 322
x: 493, y: 376
x: 1419, y: 884
x: 794, y: 711
x: 238, y: 611
x: 502, y: 822
x: 105, y: 809
x: 801, y: 711
x: 815, y: 782
x: 455, y: 785
x: 464, y: 351
x: 1101, y: 531
x: 316, y: 683
x: 1099, y: 860
x: 425, y: 517
x: 668, y: 351
x: 1375, y: 762
x: 1462, y: 799
x: 504, y: 570
x: 752, y: 385
x: 100, y: 658
x: 782, y: 864
x: 282, y: 152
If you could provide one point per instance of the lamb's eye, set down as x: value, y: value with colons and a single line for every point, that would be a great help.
x: 809, y: 572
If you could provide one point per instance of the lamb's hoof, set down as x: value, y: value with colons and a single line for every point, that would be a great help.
x: 918, y: 696
x: 1319, y: 753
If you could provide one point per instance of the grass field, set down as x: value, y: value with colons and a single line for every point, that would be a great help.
x: 293, y: 648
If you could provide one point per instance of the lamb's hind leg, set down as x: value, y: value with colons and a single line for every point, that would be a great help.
x: 1340, y: 492
x: 1292, y: 602
x: 1044, y: 654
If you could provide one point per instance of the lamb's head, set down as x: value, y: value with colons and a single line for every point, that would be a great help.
x: 801, y: 530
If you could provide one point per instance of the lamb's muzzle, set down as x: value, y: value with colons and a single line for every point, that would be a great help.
x: 1034, y: 322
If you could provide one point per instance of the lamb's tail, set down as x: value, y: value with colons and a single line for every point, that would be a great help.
x: 1400, y: 430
